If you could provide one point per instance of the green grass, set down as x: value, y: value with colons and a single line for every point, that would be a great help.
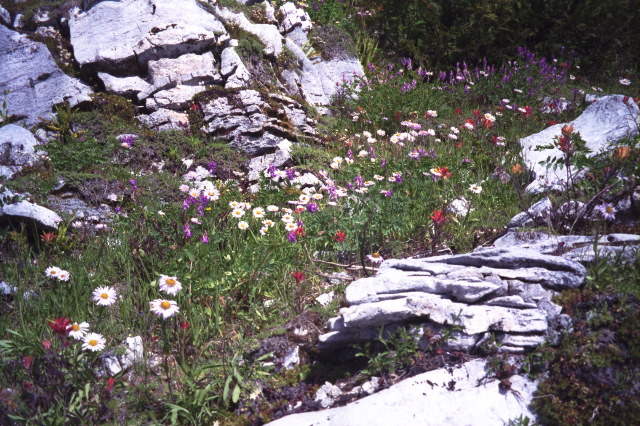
x: 237, y: 286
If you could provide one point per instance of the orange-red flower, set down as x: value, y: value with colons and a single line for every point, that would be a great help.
x: 48, y: 237
x: 60, y: 326
x: 340, y: 236
x: 622, y: 152
x: 517, y: 169
x: 298, y: 276
x: 438, y: 217
x: 441, y: 172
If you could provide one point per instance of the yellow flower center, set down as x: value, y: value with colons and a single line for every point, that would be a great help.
x: 93, y: 342
x: 165, y: 305
x: 53, y: 272
x: 376, y: 255
x: 609, y: 209
x: 104, y: 295
x: 75, y: 327
x: 170, y: 282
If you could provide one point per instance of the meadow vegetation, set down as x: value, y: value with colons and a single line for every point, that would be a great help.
x: 202, y: 268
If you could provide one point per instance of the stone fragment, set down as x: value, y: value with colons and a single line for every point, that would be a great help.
x: 17, y: 150
x: 537, y: 214
x: 24, y: 211
x: 233, y: 69
x: 164, y: 119
x: 32, y: 81
x: 125, y: 86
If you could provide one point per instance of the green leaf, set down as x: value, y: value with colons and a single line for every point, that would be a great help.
x: 236, y: 394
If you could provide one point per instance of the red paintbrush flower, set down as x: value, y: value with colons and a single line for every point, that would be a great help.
x: 438, y: 217
x: 298, y: 276
x: 340, y: 236
x: 60, y: 326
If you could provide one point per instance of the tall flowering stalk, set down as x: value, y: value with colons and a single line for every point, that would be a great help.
x: 438, y: 219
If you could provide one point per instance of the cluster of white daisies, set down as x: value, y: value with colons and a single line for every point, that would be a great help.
x: 107, y: 296
x: 55, y: 272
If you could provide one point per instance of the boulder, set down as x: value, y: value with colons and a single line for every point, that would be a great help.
x: 537, y: 214
x: 5, y: 17
x: 25, y: 212
x: 498, y: 291
x: 33, y: 80
x: 188, y: 69
x: 17, y: 149
x: 122, y: 37
x: 605, y: 121
x: 248, y: 119
x: 317, y: 82
x: 463, y: 395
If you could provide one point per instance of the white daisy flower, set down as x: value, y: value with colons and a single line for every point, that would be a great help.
x: 258, y: 213
x: 77, y: 331
x: 93, y: 342
x: 272, y: 208
x: 237, y: 213
x: 63, y: 275
x: 52, y: 272
x: 290, y: 226
x: 105, y: 296
x: 268, y: 223
x: 287, y: 218
x: 164, y: 308
x: 375, y: 257
x: 169, y: 285
x: 475, y: 188
x: 243, y: 225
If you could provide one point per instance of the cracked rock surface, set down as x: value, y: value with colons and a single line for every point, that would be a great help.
x: 504, y: 292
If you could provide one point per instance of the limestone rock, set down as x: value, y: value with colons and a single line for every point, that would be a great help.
x: 606, y: 120
x: 267, y: 34
x: 317, y: 82
x: 292, y: 17
x: 460, y: 396
x: 123, y: 36
x: 188, y: 69
x: 125, y: 86
x: 498, y: 290
x: 5, y: 17
x: 583, y: 249
x: 30, y: 213
x: 17, y: 149
x: 537, y: 214
x: 164, y: 119
x: 257, y: 165
x: 233, y: 69
x: 177, y: 98
x: 249, y: 120
x: 33, y: 80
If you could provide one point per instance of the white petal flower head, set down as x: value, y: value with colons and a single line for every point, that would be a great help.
x: 272, y: 208
x: 258, y: 213
x: 63, y: 275
x: 77, y: 331
x: 237, y: 213
x: 375, y: 257
x: 243, y: 225
x: 625, y: 81
x: 475, y: 188
x: 169, y: 285
x: 164, y: 308
x: 52, y: 272
x: 93, y: 342
x: 105, y: 296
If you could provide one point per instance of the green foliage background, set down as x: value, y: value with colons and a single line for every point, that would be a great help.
x: 605, y: 34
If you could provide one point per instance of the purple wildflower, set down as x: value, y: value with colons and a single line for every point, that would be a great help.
x: 388, y: 193
x: 212, y: 166
x: 187, y: 230
x: 292, y: 237
x: 291, y: 174
x: 205, y: 237
x: 312, y: 207
x: 607, y: 211
x: 133, y: 184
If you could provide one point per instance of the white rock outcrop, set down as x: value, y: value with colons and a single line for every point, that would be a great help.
x: 607, y: 120
x: 124, y: 36
x: 463, y: 395
x: 32, y: 81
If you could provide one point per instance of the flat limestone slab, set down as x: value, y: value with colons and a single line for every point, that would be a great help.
x: 426, y: 400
